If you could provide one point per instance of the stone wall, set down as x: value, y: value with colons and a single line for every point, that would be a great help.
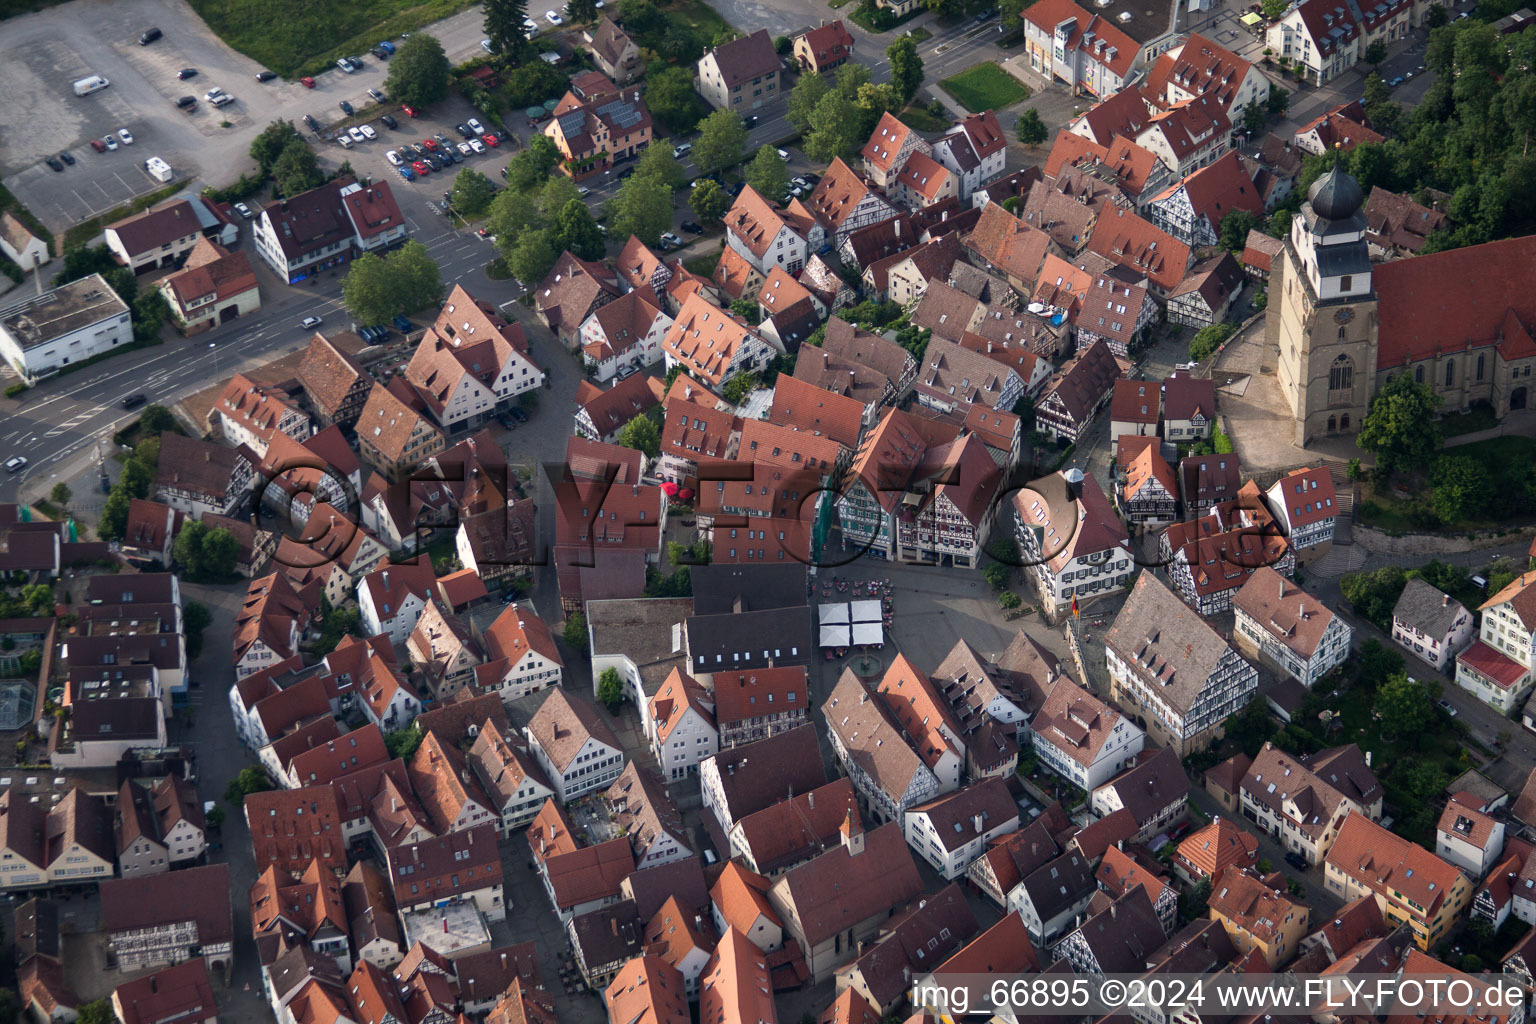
x: 1430, y: 544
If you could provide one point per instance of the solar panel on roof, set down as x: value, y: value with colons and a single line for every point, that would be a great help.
x: 620, y: 113
x: 570, y: 123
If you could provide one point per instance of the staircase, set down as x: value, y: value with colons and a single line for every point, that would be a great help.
x: 1344, y: 502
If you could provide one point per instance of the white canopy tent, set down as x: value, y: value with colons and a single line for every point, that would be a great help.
x: 834, y: 635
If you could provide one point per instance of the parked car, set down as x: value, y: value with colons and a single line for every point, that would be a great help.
x: 126, y: 136
x: 407, y: 173
x: 410, y: 111
x: 345, y: 65
x: 1447, y: 707
x: 783, y: 154
x: 420, y: 167
x: 463, y: 130
x: 187, y: 103
x: 421, y: 150
x: 463, y: 148
x: 307, y: 82
x: 244, y: 211
x: 356, y: 134
x: 110, y: 142
x: 583, y: 191
x: 389, y: 122
x: 149, y: 36
x: 518, y: 414
x: 394, y: 158
x: 1296, y: 860
x: 265, y: 76
x: 553, y: 18
x: 440, y: 137
x: 346, y: 108
x: 67, y: 158
x: 681, y: 150
x: 310, y: 322
x: 309, y: 119
x: 692, y: 228
x: 53, y: 162
x: 431, y: 144
x: 491, y: 140
x: 475, y: 127
x: 749, y: 122
x: 402, y: 324
x: 133, y: 401
x: 380, y: 52
x: 477, y: 146
x: 344, y: 140
x: 98, y: 145
x: 368, y: 132
x: 377, y: 95
x: 186, y: 73
x: 16, y: 464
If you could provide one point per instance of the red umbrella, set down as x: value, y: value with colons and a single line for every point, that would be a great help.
x: 685, y: 493
x: 669, y: 488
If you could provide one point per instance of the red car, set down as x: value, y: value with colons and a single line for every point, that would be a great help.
x: 422, y: 168
x: 410, y: 110
x: 490, y: 140
x: 430, y: 144
x: 308, y: 83
x: 98, y: 145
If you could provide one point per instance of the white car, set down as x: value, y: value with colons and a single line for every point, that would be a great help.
x: 110, y: 141
x: 368, y: 132
x: 477, y: 145
x: 464, y: 149
x: 583, y: 191
x: 345, y: 140
x: 783, y: 154
x: 345, y: 65
x: 357, y: 134
x: 126, y: 136
x: 670, y: 239
x: 16, y: 465
x: 213, y: 94
x: 309, y: 321
x: 553, y: 18
x: 475, y: 126
x: 530, y: 28
x: 244, y: 211
x: 393, y: 158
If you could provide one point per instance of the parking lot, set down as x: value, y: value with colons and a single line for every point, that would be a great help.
x: 43, y: 54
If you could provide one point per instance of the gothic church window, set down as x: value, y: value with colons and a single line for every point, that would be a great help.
x: 1341, y: 376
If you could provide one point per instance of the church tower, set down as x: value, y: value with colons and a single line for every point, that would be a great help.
x: 1322, y: 312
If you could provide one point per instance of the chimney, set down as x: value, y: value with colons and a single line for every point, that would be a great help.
x: 810, y: 800
x: 976, y: 821
x: 445, y: 924
x: 1445, y: 599
x: 1367, y: 758
x: 386, y: 579
x: 613, y: 924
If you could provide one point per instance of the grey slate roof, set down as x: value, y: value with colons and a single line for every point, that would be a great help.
x: 1057, y: 884
x: 1155, y: 782
x: 1427, y: 609
x: 1167, y: 640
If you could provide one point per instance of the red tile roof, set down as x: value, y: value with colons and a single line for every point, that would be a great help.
x: 1493, y: 664
x: 802, y: 406
x: 829, y: 43
x: 1094, y: 36
x: 885, y: 142
x: 1129, y: 241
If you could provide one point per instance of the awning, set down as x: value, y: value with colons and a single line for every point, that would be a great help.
x: 1250, y: 19
x: 866, y: 611
x: 834, y: 613
x: 868, y: 633
x: 834, y: 636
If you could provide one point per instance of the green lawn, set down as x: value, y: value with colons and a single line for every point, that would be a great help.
x: 704, y: 266
x: 293, y: 37
x: 1505, y: 458
x: 919, y: 119
x: 1479, y: 417
x: 699, y: 17
x: 985, y: 87
x: 920, y: 34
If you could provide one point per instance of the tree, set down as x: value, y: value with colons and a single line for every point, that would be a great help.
x: 1375, y: 53
x: 419, y: 71
x: 576, y: 231
x: 1234, y: 230
x: 996, y: 574
x: 1009, y: 12
x: 1462, y: 488
x: 252, y: 779
x: 1376, y: 663
x: 377, y: 288
x: 672, y: 99
x: 335, y: 625
x: 297, y: 169
x: 98, y: 1012
x: 610, y: 690
x: 873, y: 101
x: 1032, y: 131
x: 270, y: 144
x: 114, y: 515
x: 834, y: 129
x: 1436, y: 16
x: 1196, y: 900
x: 802, y: 101
x: 1404, y: 707
x: 214, y: 818
x: 747, y: 309
x: 1353, y: 471
x: 38, y: 597
x: 643, y: 208
x: 195, y: 618
x: 1208, y: 340
x: 531, y: 256
x: 658, y: 162
x: 739, y: 387
x: 1399, y: 428
x: 533, y: 83
x: 722, y: 138
x: 403, y: 742
x: 709, y: 201
x: 769, y: 174
x: 61, y: 494
x: 1254, y: 117
x: 1008, y: 600
x: 1278, y: 100
x: 575, y: 632
x: 906, y: 67
x: 1273, y: 10
x: 1374, y: 594
x: 640, y: 434
x: 581, y: 10
x: 530, y: 169
x: 149, y: 313
x: 472, y: 192
x: 504, y: 28
x: 156, y: 419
